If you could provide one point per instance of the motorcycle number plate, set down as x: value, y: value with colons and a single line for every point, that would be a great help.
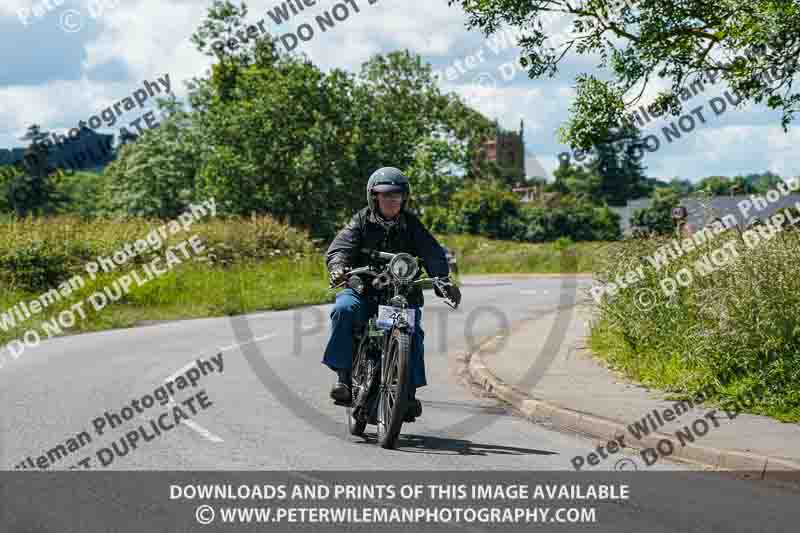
x: 386, y: 314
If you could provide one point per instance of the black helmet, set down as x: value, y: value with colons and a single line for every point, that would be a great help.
x: 387, y: 179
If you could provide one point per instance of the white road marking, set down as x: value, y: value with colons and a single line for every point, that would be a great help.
x: 251, y: 341
x: 181, y: 371
x: 206, y: 434
x: 531, y: 291
x: 202, y: 431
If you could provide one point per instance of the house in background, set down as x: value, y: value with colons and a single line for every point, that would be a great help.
x: 701, y: 212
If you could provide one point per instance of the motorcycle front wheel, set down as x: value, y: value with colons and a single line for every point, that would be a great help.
x: 360, y: 376
x: 395, y: 388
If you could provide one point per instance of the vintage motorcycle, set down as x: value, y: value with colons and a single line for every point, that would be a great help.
x: 381, y: 377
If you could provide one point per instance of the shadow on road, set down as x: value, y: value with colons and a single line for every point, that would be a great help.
x: 427, y: 444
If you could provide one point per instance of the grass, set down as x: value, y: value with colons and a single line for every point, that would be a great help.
x: 191, y: 290
x: 479, y: 255
x: 256, y: 265
x: 735, y: 330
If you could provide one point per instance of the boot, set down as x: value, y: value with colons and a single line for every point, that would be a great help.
x: 341, y: 390
x: 414, y: 408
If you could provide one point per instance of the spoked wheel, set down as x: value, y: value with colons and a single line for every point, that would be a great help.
x: 395, y: 385
x: 360, y: 375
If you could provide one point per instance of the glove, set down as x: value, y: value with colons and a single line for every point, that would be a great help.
x: 451, y: 292
x: 454, y: 293
x: 337, y: 275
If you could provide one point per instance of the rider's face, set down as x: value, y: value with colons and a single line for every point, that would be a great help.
x: 390, y: 203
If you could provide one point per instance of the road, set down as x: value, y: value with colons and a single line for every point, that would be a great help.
x: 268, y: 409
x: 284, y: 420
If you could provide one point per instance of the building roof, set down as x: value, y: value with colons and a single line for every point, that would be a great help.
x: 702, y: 211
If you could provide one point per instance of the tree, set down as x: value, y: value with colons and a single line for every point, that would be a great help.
x: 272, y: 133
x: 681, y: 187
x: 658, y: 217
x: 31, y: 187
x: 431, y: 172
x: 563, y: 175
x: 679, y: 40
x: 715, y: 185
x: 155, y: 176
x: 485, y: 208
x: 761, y: 183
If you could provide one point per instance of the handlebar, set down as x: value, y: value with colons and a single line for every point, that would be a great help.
x: 435, y: 281
x: 375, y: 254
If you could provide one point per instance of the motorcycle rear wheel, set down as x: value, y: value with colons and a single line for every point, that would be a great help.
x: 395, y: 388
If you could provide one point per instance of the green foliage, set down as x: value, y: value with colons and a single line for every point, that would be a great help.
x: 271, y: 133
x: 485, y: 209
x: 32, y: 266
x: 642, y: 41
x: 747, y: 184
x: 562, y: 243
x: 31, y: 186
x: 736, y: 328
x: 86, y: 193
x: 38, y: 253
x: 479, y: 255
x: 431, y: 172
x: 613, y: 176
x: 154, y: 177
x: 658, y: 217
x: 489, y: 209
x: 579, y: 222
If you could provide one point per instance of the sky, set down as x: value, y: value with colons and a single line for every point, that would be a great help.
x: 63, y: 61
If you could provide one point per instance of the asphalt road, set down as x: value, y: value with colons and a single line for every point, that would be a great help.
x: 270, y: 410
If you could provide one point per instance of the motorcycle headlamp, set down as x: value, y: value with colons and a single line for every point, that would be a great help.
x: 403, y: 267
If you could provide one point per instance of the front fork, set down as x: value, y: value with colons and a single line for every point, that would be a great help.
x: 365, y: 407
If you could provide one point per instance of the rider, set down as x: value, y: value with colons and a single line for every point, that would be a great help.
x: 386, y: 226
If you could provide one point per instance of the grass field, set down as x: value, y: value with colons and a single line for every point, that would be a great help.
x: 257, y: 265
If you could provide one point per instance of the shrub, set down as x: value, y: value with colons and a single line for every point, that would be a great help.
x: 32, y: 266
x: 658, y: 217
x: 490, y: 210
x: 736, y: 329
x: 38, y: 253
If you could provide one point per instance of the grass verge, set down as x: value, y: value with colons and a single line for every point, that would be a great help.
x: 242, y: 282
x: 479, y: 255
x: 733, y: 329
x: 191, y: 290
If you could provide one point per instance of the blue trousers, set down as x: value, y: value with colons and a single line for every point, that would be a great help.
x: 351, y: 310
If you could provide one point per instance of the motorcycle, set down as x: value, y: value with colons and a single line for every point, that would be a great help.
x: 381, y: 378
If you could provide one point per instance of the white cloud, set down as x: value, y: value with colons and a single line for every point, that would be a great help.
x: 152, y: 37
x: 12, y: 7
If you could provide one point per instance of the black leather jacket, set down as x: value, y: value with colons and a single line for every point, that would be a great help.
x: 409, y: 235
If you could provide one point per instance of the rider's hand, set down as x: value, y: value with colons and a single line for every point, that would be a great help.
x: 337, y: 275
x: 438, y: 291
x: 451, y: 291
x: 454, y: 293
